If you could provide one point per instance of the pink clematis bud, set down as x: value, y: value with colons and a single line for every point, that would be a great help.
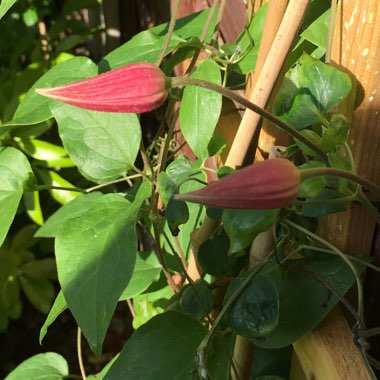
x: 136, y: 88
x: 273, y: 183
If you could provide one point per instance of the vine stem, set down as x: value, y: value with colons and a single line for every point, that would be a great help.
x: 344, y: 258
x: 80, y: 358
x: 313, y: 172
x: 169, y: 34
x: 187, y: 81
x: 202, y: 348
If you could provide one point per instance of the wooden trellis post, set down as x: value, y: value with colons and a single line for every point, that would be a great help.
x: 328, y: 352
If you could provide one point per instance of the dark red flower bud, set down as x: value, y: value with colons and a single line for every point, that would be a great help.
x: 136, y: 88
x: 268, y: 184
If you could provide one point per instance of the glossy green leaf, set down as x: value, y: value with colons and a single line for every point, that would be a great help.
x: 176, y: 214
x: 147, y: 271
x: 103, y: 145
x: 168, y: 341
x: 47, y: 366
x: 310, y: 89
x: 96, y: 255
x: 304, y: 299
x: 197, y: 299
x: 256, y: 311
x: 15, y: 172
x: 200, y: 109
x: 40, y: 292
x: 242, y: 226
x: 5, y: 5
x: 179, y: 170
x: 35, y: 108
x: 73, y: 209
x: 59, y: 306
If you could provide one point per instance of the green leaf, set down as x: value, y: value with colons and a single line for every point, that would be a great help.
x: 5, y: 5
x: 51, y: 178
x: 242, y: 226
x: 311, y: 136
x: 200, y: 109
x: 33, y: 207
x: 42, y: 150
x: 143, y: 47
x: 304, y: 299
x: 310, y: 89
x: 166, y: 187
x: 179, y: 170
x: 147, y: 45
x: 248, y: 51
x: 213, y: 256
x: 40, y: 292
x: 59, y: 306
x: 317, y: 32
x: 103, y: 145
x: 314, y: 186
x: 15, y: 171
x: 10, y: 293
x: 176, y: 213
x: 321, y: 209
x: 96, y: 255
x: 47, y: 366
x: 147, y: 271
x: 168, y: 341
x: 73, y: 209
x: 197, y: 299
x: 256, y: 311
x: 336, y: 133
x: 41, y: 268
x: 35, y: 108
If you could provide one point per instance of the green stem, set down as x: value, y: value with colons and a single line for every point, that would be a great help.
x: 169, y: 34
x: 187, y: 81
x: 333, y: 172
x: 368, y: 205
x: 344, y: 258
x: 80, y: 357
x: 51, y: 187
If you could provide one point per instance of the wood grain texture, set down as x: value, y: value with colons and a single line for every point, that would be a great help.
x: 356, y: 49
x: 328, y: 353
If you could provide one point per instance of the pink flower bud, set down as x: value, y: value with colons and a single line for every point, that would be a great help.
x: 273, y: 183
x: 137, y: 88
